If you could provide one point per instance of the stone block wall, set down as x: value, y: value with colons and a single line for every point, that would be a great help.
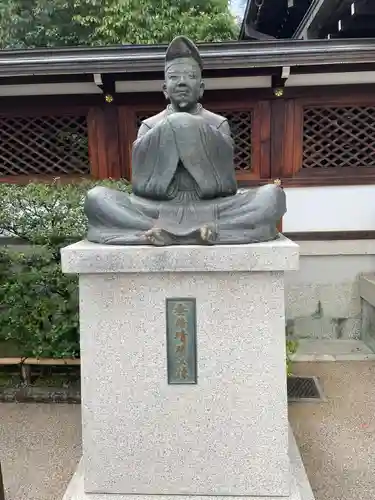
x: 368, y: 324
x: 322, y: 298
x: 367, y: 293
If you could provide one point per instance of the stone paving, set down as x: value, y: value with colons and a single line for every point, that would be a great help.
x: 337, y: 437
x: 40, y: 444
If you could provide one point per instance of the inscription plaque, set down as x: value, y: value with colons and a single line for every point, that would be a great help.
x: 181, y: 341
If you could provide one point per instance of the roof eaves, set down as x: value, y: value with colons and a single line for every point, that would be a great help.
x: 225, y: 55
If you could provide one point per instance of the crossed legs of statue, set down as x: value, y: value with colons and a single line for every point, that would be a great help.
x: 250, y: 216
x: 246, y: 217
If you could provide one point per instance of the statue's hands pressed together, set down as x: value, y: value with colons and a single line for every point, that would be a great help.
x: 184, y: 120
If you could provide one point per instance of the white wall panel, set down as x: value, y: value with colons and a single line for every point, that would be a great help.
x: 330, y: 208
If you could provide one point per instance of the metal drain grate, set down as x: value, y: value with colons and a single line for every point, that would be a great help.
x: 304, y: 388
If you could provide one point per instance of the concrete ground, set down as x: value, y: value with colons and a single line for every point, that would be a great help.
x: 310, y: 350
x: 40, y: 444
x: 337, y: 437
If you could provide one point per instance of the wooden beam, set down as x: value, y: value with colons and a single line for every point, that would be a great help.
x: 254, y: 34
x: 313, y: 11
x: 361, y: 8
x: 330, y: 235
x: 318, y: 15
x: 363, y: 22
x: 48, y: 179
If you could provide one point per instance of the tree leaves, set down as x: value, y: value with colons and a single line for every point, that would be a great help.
x: 41, y: 23
x: 38, y: 303
x: 46, y: 214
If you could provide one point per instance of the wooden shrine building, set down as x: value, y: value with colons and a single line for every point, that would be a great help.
x: 302, y: 110
x: 308, y: 19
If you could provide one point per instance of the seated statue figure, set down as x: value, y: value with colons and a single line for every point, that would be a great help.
x: 184, y: 189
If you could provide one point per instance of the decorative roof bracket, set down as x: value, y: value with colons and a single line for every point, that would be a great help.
x: 107, y: 86
x: 278, y: 81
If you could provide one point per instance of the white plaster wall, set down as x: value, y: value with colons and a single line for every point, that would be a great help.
x: 330, y: 208
x: 322, y: 297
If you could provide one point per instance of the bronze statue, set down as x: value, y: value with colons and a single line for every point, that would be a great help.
x: 183, y: 177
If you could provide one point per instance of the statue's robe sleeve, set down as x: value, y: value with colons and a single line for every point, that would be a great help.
x: 205, y: 150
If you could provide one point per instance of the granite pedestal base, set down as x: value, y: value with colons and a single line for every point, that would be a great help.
x: 300, y: 486
x: 225, y: 435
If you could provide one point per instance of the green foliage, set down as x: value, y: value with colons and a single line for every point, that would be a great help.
x: 47, y: 214
x: 41, y: 23
x: 291, y: 348
x: 39, y: 304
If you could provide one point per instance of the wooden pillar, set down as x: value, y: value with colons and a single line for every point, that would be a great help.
x: 282, y: 141
x: 261, y: 131
x: 286, y: 130
x: 127, y: 119
x: 104, y: 142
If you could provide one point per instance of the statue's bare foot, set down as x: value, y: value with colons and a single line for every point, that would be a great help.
x: 158, y: 237
x: 155, y: 236
x: 208, y: 234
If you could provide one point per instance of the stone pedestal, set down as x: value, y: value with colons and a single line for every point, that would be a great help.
x: 226, y: 434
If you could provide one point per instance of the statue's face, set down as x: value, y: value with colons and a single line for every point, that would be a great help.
x: 183, y: 83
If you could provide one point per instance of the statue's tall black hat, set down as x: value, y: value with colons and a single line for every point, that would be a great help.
x: 181, y: 46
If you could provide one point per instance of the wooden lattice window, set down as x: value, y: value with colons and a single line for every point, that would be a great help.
x: 337, y: 137
x: 240, y: 125
x: 43, y: 145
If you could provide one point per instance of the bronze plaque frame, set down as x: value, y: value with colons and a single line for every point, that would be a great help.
x: 181, y: 340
